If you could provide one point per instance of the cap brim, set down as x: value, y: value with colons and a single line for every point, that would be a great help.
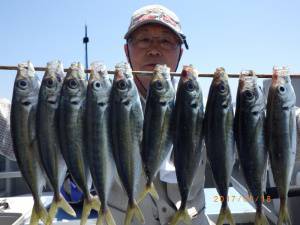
x: 179, y: 35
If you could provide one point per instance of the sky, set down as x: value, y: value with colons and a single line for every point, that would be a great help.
x: 235, y: 34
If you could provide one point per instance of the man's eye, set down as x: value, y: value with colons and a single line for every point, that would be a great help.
x: 144, y: 40
x: 166, y: 41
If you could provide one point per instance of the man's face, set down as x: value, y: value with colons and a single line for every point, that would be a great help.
x: 153, y: 44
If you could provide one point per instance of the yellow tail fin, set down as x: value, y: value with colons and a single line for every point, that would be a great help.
x: 133, y: 210
x: 148, y: 189
x: 38, y: 212
x: 181, y: 215
x: 88, y: 205
x: 225, y: 213
x: 107, y: 216
x: 261, y: 219
x: 57, y: 203
x: 284, y: 217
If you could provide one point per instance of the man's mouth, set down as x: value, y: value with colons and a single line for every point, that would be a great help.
x: 149, y: 66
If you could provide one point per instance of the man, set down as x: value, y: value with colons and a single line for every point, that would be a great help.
x: 155, y: 37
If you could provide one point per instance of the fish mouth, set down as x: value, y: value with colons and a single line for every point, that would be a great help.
x: 163, y: 103
x: 285, y: 108
x: 125, y: 101
x: 52, y: 102
x: 74, y: 101
x: 194, y: 104
x: 101, y: 103
x: 224, y: 105
x: 26, y: 103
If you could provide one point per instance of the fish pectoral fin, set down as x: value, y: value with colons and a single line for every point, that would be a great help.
x: 225, y: 213
x: 38, y: 212
x: 88, y: 205
x: 107, y: 216
x: 261, y: 219
x: 59, y: 203
x: 133, y: 210
x: 148, y: 189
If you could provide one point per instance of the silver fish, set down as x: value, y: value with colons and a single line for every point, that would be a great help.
x: 23, y: 131
x: 72, y: 138
x: 127, y: 126
x: 188, y: 140
x: 157, y: 129
x: 250, y: 136
x: 281, y: 136
x: 99, y: 146
x: 219, y: 138
x: 48, y: 138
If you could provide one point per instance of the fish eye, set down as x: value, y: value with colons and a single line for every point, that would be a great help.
x: 49, y: 83
x: 222, y: 88
x: 190, y: 86
x: 96, y: 85
x: 158, y: 85
x: 281, y: 89
x: 23, y: 84
x: 249, y: 94
x: 73, y: 84
x: 122, y: 85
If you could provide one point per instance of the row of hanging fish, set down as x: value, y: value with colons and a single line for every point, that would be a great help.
x: 95, y: 127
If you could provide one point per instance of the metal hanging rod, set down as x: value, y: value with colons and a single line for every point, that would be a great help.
x: 149, y: 73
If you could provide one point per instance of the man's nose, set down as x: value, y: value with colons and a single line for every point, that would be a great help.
x: 153, y: 51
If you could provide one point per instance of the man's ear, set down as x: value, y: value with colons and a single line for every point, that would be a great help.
x: 179, y: 57
x: 180, y: 54
x: 126, y: 51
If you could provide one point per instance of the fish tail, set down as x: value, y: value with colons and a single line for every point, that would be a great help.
x: 88, y: 205
x: 149, y: 188
x: 108, y: 217
x: 133, y: 210
x: 261, y: 219
x: 284, y: 217
x: 181, y: 215
x: 59, y: 202
x: 38, y: 212
x: 225, y: 213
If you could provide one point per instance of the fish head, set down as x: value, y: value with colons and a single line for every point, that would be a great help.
x: 52, y: 83
x: 250, y: 93
x: 220, y: 90
x: 26, y: 86
x: 189, y: 88
x: 161, y: 89
x: 99, y: 84
x: 123, y: 84
x: 281, y: 88
x: 74, y: 86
